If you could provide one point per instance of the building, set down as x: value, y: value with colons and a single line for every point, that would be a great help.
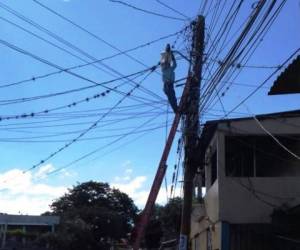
x: 13, y: 225
x: 288, y: 82
x: 252, y: 178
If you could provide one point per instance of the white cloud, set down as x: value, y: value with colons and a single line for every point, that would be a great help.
x: 65, y: 173
x: 43, y: 171
x: 127, y: 173
x: 127, y: 164
x: 23, y: 193
x: 137, y: 189
x: 133, y: 189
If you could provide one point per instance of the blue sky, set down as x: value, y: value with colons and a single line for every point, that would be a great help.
x: 131, y: 167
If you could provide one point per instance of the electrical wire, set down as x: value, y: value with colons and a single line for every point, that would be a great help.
x: 147, y: 11
x: 101, y: 40
x: 262, y: 84
x: 87, y: 130
x: 99, y: 149
x: 174, y: 10
x: 35, y: 78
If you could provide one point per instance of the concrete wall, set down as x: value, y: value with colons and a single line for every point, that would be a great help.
x: 211, y: 201
x: 239, y: 204
x: 208, y: 239
x: 232, y: 199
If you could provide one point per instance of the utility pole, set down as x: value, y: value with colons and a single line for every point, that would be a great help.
x: 191, y: 130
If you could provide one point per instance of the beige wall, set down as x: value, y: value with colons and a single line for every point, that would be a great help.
x: 211, y: 201
x: 239, y: 205
x: 231, y: 198
x: 200, y: 242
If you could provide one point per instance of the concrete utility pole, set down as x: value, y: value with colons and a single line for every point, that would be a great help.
x: 191, y: 130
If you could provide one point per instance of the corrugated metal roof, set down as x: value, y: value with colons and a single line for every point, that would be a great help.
x: 288, y: 82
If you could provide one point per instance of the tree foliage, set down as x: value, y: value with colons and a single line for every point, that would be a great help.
x: 164, y: 223
x: 92, y: 215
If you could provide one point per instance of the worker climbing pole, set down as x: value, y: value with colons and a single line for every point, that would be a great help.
x: 191, y: 130
x: 168, y: 65
x: 142, y: 222
x: 190, y: 101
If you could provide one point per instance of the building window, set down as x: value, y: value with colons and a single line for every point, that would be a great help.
x: 261, y: 156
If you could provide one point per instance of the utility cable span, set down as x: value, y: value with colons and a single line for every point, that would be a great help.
x: 39, y: 124
x: 13, y: 47
x: 21, y: 140
x: 35, y: 78
x: 275, y: 139
x: 110, y: 124
x: 174, y: 10
x: 262, y: 84
x: 88, y: 129
x: 147, y: 11
x: 112, y: 71
x: 47, y: 111
x: 258, y: 39
x: 53, y: 44
x: 89, y: 32
x: 101, y: 148
x: 242, y: 36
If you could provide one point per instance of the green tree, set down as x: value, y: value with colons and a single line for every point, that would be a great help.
x: 164, y: 223
x: 170, y: 217
x: 92, y: 215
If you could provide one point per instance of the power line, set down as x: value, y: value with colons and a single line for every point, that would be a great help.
x: 35, y: 78
x: 68, y: 44
x: 258, y: 29
x: 275, y: 139
x: 53, y: 44
x: 221, y: 71
x: 147, y: 11
x: 263, y: 83
x: 73, y: 104
x: 259, y: 37
x: 18, y: 125
x: 88, y: 32
x: 174, y: 10
x: 29, y: 140
x: 239, y: 65
x: 70, y: 72
x: 101, y: 40
x: 100, y: 148
x: 70, y: 105
x: 87, y: 130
